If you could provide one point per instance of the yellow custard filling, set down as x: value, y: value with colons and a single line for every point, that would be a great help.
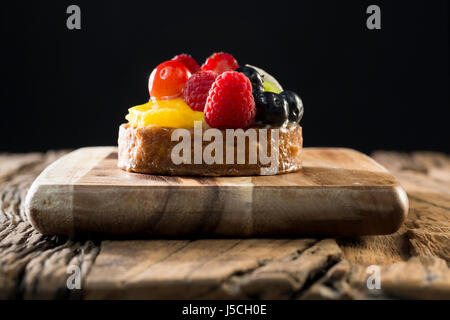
x: 173, y: 113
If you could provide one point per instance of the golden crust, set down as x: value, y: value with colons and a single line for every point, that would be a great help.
x: 148, y: 150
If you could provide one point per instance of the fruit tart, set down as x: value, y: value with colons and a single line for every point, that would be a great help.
x: 218, y: 119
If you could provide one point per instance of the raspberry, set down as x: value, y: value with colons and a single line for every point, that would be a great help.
x: 220, y: 62
x: 196, y: 89
x: 230, y: 102
x: 188, y: 61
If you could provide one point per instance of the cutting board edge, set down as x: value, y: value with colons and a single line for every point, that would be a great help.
x: 51, y: 220
x: 48, y: 220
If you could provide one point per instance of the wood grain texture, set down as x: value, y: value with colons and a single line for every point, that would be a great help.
x: 200, y: 268
x: 33, y: 265
x: 414, y: 261
x: 337, y: 192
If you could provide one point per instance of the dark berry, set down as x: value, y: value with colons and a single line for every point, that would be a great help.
x: 295, y: 105
x: 271, y: 108
x: 255, y: 78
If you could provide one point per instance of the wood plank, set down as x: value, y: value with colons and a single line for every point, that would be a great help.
x: 175, y: 269
x: 11, y: 164
x: 338, y: 192
x: 416, y: 280
x: 35, y: 266
x: 414, y: 261
x: 425, y: 176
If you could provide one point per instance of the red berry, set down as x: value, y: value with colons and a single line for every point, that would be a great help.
x: 168, y: 79
x: 188, y: 61
x: 220, y: 62
x: 196, y: 89
x: 230, y: 102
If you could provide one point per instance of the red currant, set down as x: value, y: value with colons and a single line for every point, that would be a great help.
x: 167, y: 80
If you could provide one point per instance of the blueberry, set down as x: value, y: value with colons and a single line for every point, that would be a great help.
x: 255, y: 78
x: 271, y: 108
x: 295, y: 105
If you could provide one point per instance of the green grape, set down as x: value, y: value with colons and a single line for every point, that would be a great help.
x: 271, y: 87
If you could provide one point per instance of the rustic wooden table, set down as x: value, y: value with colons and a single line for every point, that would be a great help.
x: 414, y: 262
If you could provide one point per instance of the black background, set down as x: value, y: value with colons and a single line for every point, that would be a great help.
x: 381, y: 89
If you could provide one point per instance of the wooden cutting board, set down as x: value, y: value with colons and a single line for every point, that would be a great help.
x: 339, y: 192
